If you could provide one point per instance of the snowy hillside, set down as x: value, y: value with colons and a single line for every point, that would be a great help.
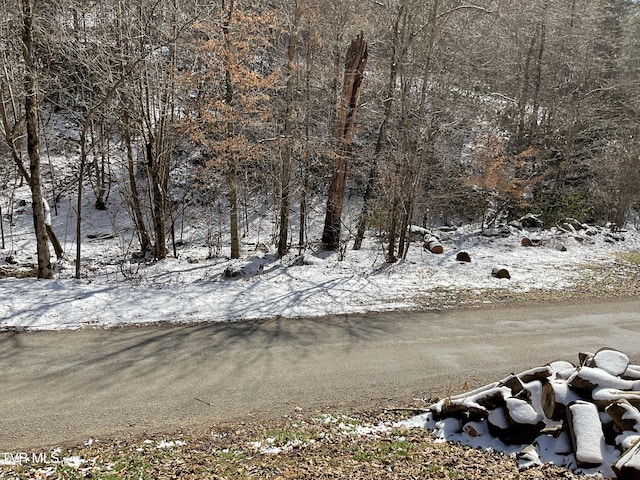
x: 199, y: 287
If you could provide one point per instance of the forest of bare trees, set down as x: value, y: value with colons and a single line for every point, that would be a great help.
x: 419, y: 112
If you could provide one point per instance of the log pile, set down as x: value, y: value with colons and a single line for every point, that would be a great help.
x: 593, y: 408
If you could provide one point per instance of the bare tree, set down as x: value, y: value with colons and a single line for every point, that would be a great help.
x: 287, y: 151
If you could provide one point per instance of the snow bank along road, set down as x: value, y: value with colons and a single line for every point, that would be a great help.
x: 67, y: 386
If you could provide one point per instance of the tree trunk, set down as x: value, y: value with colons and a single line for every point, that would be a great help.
x: 538, y: 81
x: 232, y: 169
x: 304, y: 174
x: 524, y: 93
x: 393, y: 222
x: 158, y: 200
x: 31, y: 113
x: 232, y: 162
x: 24, y: 175
x: 285, y: 186
x: 369, y: 193
x: 136, y: 206
x: 355, y: 63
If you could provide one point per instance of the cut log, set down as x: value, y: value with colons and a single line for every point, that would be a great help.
x: 585, y: 359
x: 528, y: 457
x: 605, y: 396
x: 531, y: 220
x: 513, y: 383
x: 526, y: 242
x: 531, y: 242
x: 520, y: 413
x: 477, y: 405
x: 556, y: 396
x: 497, y: 422
x: 538, y: 373
x: 433, y: 245
x: 627, y: 467
x: 561, y: 365
x: 587, y: 437
x: 475, y: 429
x: 624, y: 415
x: 611, y: 361
x: 586, y: 379
x: 532, y: 393
x: 565, y: 374
x: 524, y: 423
x: 463, y: 257
x: 500, y: 272
x: 632, y: 373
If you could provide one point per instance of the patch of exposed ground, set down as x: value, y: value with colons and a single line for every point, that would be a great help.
x: 357, y: 446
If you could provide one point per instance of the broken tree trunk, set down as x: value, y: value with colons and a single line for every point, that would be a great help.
x: 355, y: 63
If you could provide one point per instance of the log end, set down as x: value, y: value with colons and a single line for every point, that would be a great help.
x: 500, y: 272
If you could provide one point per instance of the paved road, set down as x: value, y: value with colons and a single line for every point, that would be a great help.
x: 59, y: 387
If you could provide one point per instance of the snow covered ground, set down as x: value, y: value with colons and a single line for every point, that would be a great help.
x: 115, y: 290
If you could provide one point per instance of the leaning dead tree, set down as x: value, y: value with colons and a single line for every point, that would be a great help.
x: 355, y: 63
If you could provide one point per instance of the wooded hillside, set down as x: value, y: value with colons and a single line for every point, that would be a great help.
x: 421, y: 112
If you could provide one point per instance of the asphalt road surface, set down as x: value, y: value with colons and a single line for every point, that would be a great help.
x: 64, y: 387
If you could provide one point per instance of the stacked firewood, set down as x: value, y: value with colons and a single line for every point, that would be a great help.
x: 596, y: 404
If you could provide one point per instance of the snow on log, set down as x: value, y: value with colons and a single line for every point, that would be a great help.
x: 497, y: 422
x: 585, y: 359
x: 624, y: 415
x: 589, y: 378
x: 538, y: 373
x: 463, y: 257
x: 477, y: 405
x: 474, y: 429
x: 632, y: 373
x: 500, y: 272
x: 524, y: 423
x: 587, y: 410
x: 627, y: 467
x: 586, y: 434
x: 513, y: 383
x: 533, y: 395
x: 476, y: 391
x: 433, y: 245
x: 604, y: 396
x: 521, y: 412
x: 531, y: 220
x: 561, y: 365
x: 611, y: 361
